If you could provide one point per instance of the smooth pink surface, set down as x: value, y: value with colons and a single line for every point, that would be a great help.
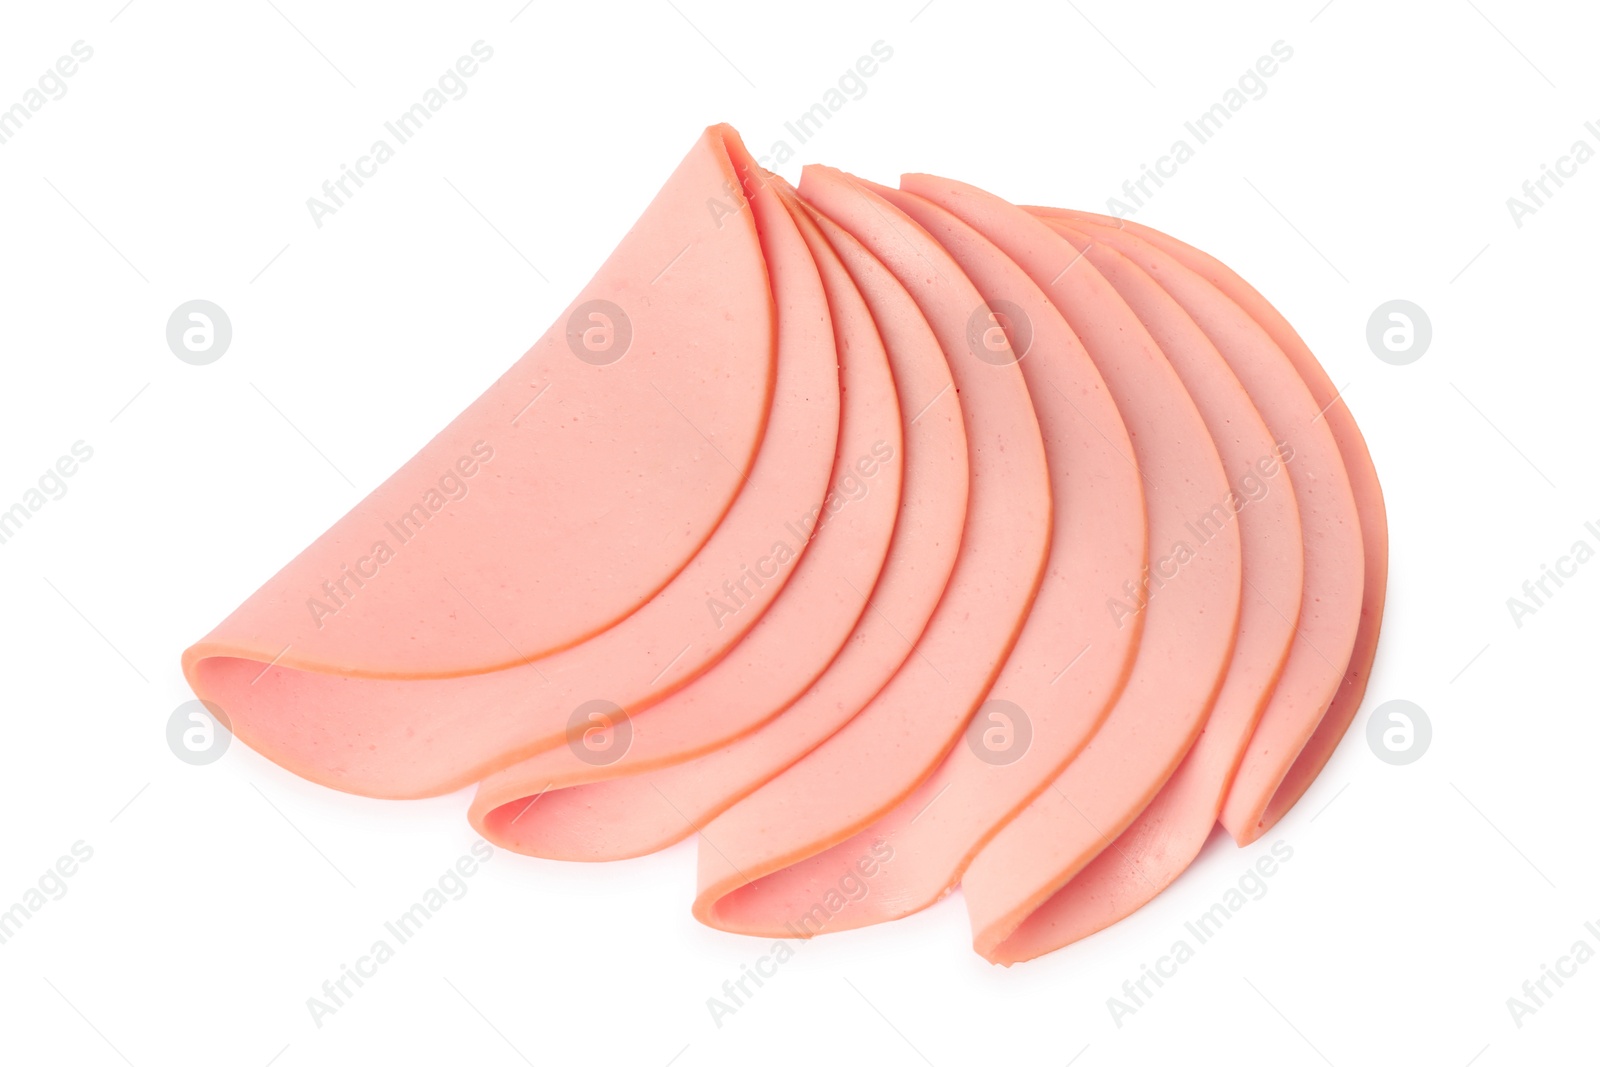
x: 636, y: 814
x: 1283, y: 783
x: 747, y: 882
x: 418, y: 736
x: 1167, y: 835
x: 560, y: 806
x: 1070, y: 661
x: 605, y: 441
x: 1191, y: 617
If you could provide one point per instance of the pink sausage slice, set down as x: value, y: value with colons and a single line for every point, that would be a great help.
x: 1328, y: 620
x: 1169, y: 833
x: 1070, y: 660
x: 1190, y: 600
x: 414, y: 737
x: 747, y: 882
x: 630, y: 816
x: 598, y: 438
x: 1268, y: 783
x: 1370, y: 510
x: 532, y: 807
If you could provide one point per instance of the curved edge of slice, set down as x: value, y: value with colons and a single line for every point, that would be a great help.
x: 670, y: 804
x: 1190, y: 595
x: 1071, y: 658
x: 1364, y: 485
x: 922, y: 555
x: 1170, y: 832
x: 574, y: 803
x: 365, y: 600
x: 417, y: 737
x: 747, y: 879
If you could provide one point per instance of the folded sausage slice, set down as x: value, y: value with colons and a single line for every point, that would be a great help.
x: 927, y: 535
x: 456, y: 718
x: 1167, y: 835
x: 636, y: 814
x: 562, y: 805
x: 1370, y: 510
x: 668, y: 805
x: 1290, y: 747
x: 1189, y: 596
x: 1328, y: 620
x: 747, y: 882
x: 1070, y: 660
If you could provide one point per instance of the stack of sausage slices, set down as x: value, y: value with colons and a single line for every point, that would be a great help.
x: 882, y: 540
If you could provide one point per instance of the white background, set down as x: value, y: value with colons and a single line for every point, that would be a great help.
x: 219, y: 898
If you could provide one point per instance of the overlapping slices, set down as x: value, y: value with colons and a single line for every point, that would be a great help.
x: 905, y: 539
